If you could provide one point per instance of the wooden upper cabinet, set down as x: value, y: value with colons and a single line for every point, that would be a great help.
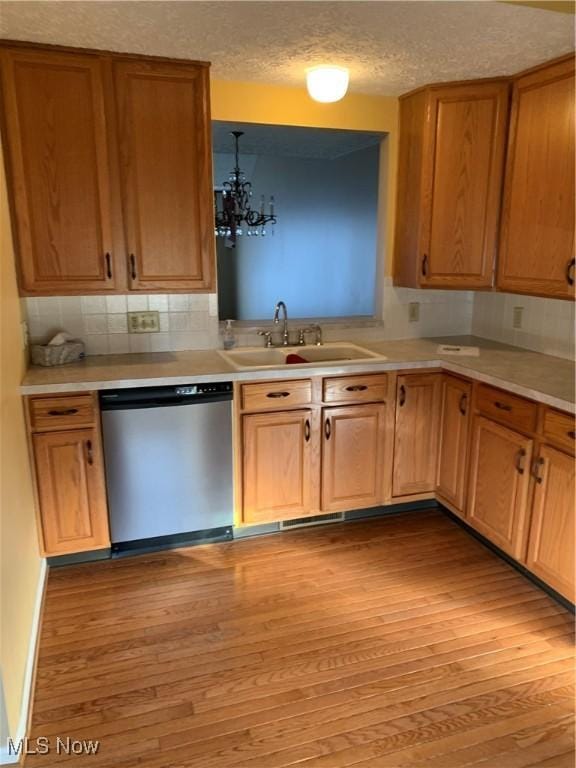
x: 352, y: 456
x: 163, y: 120
x: 537, y: 231
x: 71, y: 491
x: 416, y: 434
x: 499, y: 483
x: 551, y: 543
x: 58, y: 164
x: 453, y: 449
x: 452, y: 141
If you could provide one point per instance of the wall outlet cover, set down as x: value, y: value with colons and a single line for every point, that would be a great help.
x: 517, y: 313
x: 144, y: 322
x: 414, y: 311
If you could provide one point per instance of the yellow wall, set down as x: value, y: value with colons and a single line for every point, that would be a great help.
x: 19, y: 559
x: 278, y: 105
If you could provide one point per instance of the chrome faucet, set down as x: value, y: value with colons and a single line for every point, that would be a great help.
x: 282, y: 306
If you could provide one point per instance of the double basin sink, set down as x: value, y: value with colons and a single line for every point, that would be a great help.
x: 256, y: 357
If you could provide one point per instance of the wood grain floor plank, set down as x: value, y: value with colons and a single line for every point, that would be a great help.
x: 392, y: 642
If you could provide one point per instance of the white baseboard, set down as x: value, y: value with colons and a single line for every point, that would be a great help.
x: 21, y: 731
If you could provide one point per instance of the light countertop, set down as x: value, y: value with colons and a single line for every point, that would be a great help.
x: 543, y: 378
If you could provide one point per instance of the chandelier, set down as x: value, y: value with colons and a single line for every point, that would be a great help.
x: 233, y: 214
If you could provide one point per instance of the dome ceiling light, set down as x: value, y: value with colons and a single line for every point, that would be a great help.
x: 327, y: 84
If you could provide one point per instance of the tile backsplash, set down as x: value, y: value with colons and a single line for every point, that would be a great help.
x: 187, y: 321
x: 547, y: 324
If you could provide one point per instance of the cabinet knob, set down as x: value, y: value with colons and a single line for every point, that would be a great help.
x: 89, y: 454
x: 519, y: 461
x: 327, y: 429
x: 570, y: 271
x: 307, y: 430
x: 277, y: 394
x: 536, y: 464
x: 133, y: 273
x: 425, y: 265
x: 356, y: 388
x: 463, y: 403
x: 502, y: 406
x: 63, y: 412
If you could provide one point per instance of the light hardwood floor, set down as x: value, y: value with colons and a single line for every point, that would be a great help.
x: 395, y: 642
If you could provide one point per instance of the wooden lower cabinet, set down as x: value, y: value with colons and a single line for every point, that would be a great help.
x: 71, y: 491
x: 280, y: 465
x: 352, y: 456
x: 551, y: 543
x: 499, y: 484
x: 416, y: 434
x: 453, y: 448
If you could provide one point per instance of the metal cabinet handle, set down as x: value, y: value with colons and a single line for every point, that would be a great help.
x: 108, y: 260
x: 536, y: 464
x: 463, y: 403
x: 502, y: 406
x: 64, y: 412
x: 327, y: 429
x: 519, y: 456
x: 89, y: 454
x: 425, y: 265
x: 278, y: 394
x: 356, y: 388
x: 402, y: 398
x: 133, y: 273
x: 570, y: 272
x: 307, y: 430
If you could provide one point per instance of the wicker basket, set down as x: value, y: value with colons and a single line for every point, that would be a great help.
x: 57, y: 354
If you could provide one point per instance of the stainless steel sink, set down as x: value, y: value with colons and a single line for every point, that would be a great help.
x: 256, y: 357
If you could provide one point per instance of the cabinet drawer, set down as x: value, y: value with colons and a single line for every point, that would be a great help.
x: 509, y: 409
x: 276, y: 395
x: 48, y: 413
x: 355, y: 389
x: 559, y: 428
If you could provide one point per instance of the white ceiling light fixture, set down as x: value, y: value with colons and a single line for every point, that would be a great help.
x: 327, y: 84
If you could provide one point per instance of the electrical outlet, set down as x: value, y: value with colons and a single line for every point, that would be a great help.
x: 143, y: 322
x: 517, y: 313
x: 414, y: 311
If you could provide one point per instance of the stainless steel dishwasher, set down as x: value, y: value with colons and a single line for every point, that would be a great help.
x: 168, y: 457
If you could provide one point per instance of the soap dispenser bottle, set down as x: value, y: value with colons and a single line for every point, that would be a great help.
x: 229, y: 337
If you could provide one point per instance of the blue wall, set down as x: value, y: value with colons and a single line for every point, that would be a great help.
x: 322, y: 259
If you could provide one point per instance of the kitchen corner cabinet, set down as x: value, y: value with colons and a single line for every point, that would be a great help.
x: 69, y: 471
x: 109, y: 171
x: 280, y: 465
x: 453, y: 449
x: 58, y: 163
x: 537, y: 230
x: 352, y: 456
x: 416, y: 434
x: 499, y: 483
x: 451, y: 156
x: 551, y: 544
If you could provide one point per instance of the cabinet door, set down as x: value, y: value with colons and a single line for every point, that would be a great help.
x: 551, y: 542
x: 166, y: 173
x: 71, y: 491
x: 537, y: 231
x: 281, y: 465
x: 416, y: 434
x: 58, y: 168
x: 499, y: 481
x: 463, y: 170
x: 454, y: 429
x: 352, y: 456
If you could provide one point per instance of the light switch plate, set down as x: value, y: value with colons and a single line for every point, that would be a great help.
x: 143, y: 322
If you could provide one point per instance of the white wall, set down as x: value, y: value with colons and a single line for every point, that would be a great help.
x: 547, y: 324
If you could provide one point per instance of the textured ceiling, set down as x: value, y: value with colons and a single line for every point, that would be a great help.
x: 390, y: 47
x: 286, y: 141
